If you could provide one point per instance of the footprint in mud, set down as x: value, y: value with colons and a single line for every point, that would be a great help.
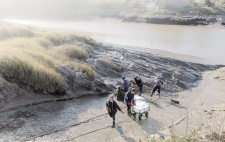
x: 127, y: 139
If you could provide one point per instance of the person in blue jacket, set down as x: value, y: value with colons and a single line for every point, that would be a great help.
x: 125, y: 84
x: 129, y: 100
x: 157, y: 87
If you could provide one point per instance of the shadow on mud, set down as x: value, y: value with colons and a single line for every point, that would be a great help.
x: 150, y: 125
x: 128, y: 139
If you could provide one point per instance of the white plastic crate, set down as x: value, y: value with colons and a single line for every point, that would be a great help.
x: 141, y: 105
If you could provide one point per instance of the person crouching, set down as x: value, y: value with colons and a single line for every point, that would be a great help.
x: 112, y: 108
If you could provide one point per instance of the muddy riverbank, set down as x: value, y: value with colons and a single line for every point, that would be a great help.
x: 86, y: 118
x: 26, y: 122
x: 171, y: 18
x: 30, y: 115
x: 188, y: 15
x: 198, y: 112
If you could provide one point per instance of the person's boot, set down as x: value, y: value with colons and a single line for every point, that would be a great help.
x: 151, y: 95
x: 113, y: 125
x: 129, y: 112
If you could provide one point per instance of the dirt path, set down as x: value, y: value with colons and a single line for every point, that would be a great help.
x: 99, y: 130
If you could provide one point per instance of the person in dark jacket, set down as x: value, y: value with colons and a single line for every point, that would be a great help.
x: 139, y: 83
x: 112, y: 108
x: 120, y: 94
x: 157, y: 87
x: 129, y: 97
x: 125, y: 84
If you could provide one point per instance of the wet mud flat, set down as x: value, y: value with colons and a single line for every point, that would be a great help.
x: 68, y: 121
x: 54, y: 118
x: 177, y: 75
x: 37, y: 120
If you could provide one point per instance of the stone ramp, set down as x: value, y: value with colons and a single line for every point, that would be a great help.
x: 99, y: 129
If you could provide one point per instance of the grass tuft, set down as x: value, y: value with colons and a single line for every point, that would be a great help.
x: 73, y: 52
x: 10, y: 31
x: 33, y: 74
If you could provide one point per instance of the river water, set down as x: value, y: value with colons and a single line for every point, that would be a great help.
x: 206, y: 42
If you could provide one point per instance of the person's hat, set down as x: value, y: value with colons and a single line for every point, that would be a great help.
x: 123, y: 77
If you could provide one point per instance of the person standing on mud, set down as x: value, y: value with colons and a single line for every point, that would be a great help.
x: 129, y: 98
x: 157, y: 87
x: 112, y: 108
x: 139, y: 83
x: 125, y: 84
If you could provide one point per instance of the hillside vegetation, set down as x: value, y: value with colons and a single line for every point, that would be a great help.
x: 32, y: 58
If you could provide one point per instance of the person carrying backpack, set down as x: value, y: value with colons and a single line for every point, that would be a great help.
x: 129, y: 98
x: 112, y: 108
x: 139, y: 83
x: 157, y: 87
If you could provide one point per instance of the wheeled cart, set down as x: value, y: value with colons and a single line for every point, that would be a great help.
x: 140, y: 107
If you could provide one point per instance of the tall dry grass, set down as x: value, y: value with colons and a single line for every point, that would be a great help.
x: 73, y: 52
x: 11, y: 31
x: 33, y: 74
x: 33, y: 61
x: 59, y: 38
